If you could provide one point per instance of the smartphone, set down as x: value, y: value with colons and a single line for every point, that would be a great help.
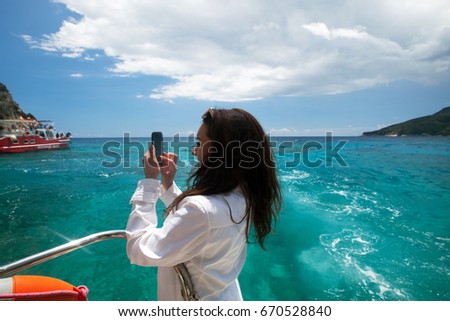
x: 157, y: 141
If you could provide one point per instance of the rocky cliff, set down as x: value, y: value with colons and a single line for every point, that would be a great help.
x: 9, y: 109
x: 437, y: 124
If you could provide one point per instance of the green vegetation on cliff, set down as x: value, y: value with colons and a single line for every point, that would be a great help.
x: 437, y: 124
x: 9, y: 109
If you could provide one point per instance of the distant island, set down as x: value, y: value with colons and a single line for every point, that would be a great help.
x: 437, y: 124
x: 9, y: 109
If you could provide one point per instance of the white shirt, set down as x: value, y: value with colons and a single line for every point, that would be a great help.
x: 200, y: 233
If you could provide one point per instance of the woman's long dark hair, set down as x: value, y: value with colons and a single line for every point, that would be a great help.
x: 240, y: 155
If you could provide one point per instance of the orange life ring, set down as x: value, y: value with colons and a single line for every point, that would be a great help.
x: 40, y: 288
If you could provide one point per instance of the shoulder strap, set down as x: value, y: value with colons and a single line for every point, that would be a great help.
x: 187, y: 288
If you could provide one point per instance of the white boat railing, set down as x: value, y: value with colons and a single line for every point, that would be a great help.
x: 187, y: 289
x: 55, y: 252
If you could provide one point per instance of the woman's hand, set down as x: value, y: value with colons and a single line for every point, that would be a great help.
x: 168, y: 169
x: 151, y: 166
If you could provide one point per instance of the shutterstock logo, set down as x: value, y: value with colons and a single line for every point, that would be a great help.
x: 307, y: 156
x: 288, y: 153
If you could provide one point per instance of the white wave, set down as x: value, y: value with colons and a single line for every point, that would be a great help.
x: 348, y: 249
x: 342, y: 193
x: 293, y: 175
x: 377, y: 280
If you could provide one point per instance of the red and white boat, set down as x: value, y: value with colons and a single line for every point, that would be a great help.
x: 24, y: 135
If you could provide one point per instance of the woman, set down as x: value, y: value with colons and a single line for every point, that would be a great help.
x: 233, y: 188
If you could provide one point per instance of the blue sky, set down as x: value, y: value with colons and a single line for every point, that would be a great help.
x: 104, y: 68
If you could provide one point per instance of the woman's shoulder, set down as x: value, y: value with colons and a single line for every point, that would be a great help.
x: 213, y: 200
x: 216, y: 205
x: 203, y: 202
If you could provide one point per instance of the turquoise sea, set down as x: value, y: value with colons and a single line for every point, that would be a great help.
x: 367, y: 220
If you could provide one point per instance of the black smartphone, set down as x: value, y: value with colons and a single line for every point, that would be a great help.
x: 157, y: 141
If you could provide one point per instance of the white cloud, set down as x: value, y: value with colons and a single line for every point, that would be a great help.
x: 286, y: 132
x: 336, y: 131
x: 248, y: 50
x: 321, y: 29
x: 76, y: 75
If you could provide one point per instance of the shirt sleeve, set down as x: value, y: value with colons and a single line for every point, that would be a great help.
x: 167, y: 196
x: 182, y: 236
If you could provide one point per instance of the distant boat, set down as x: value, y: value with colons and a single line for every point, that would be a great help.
x: 25, y: 135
